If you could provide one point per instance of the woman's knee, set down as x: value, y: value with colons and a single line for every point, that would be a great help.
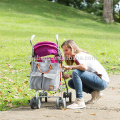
x: 104, y: 86
x: 76, y: 72
x: 70, y: 84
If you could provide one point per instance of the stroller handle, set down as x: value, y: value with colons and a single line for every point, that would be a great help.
x: 32, y: 39
x: 57, y: 43
x: 57, y: 39
x: 50, y: 67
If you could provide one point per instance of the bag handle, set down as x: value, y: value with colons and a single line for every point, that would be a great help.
x: 50, y: 67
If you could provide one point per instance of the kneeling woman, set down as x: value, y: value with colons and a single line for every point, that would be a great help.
x: 88, y: 74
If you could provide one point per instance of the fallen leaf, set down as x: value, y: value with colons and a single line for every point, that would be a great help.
x: 102, y: 53
x: 93, y: 114
x: 0, y: 93
x: 9, y: 100
x: 78, y: 111
x: 46, y: 115
x: 113, y: 68
x: 16, y: 97
x: 19, y: 103
x: 26, y: 82
x: 23, y: 83
x: 63, y: 108
x: 6, y: 78
x: 14, y: 87
x: 25, y: 94
x: 19, y: 90
x: 113, y: 88
x: 9, y: 105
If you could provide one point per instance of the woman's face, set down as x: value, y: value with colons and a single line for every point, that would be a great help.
x: 67, y: 51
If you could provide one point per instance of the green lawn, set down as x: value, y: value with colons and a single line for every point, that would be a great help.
x: 19, y: 19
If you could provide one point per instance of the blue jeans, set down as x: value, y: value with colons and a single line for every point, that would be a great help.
x: 86, y: 81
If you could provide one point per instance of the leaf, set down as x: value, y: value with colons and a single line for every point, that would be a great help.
x: 46, y: 115
x: 78, y: 111
x: 93, y: 114
x: 6, y: 78
x: 102, y: 53
x: 19, y: 103
x: 9, y: 105
x: 113, y: 68
x: 113, y: 88
x: 19, y: 90
x: 26, y: 82
x: 16, y: 97
x: 0, y: 93
x: 25, y: 94
x: 9, y: 100
x: 63, y: 108
x: 23, y: 83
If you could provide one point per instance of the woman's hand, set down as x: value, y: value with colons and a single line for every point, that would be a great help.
x: 79, y: 67
x: 66, y: 76
x: 66, y: 67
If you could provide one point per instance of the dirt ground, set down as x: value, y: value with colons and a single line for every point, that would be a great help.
x: 107, y: 108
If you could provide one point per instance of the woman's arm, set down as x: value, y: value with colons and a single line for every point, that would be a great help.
x: 79, y: 67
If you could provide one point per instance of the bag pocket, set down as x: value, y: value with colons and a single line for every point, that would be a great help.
x: 47, y: 81
x: 50, y: 82
x: 36, y: 82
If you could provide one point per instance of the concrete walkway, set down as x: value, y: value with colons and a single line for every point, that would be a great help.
x: 107, y: 108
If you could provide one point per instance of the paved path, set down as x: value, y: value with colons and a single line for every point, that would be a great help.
x: 107, y: 108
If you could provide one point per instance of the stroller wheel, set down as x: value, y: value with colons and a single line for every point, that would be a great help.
x: 46, y: 98
x: 33, y: 102
x: 64, y: 95
x: 58, y: 102
x: 40, y: 94
x: 70, y: 97
x: 38, y: 103
x: 64, y: 103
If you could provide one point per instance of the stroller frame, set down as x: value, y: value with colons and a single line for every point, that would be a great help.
x: 61, y: 100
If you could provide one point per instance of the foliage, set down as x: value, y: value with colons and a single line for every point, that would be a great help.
x: 116, y: 12
x: 95, y: 8
x: 65, y: 2
x: 90, y: 6
x: 86, y: 5
x: 89, y: 3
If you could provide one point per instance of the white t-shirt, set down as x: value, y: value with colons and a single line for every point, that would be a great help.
x: 92, y: 64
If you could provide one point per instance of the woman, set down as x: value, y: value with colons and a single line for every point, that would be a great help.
x: 88, y: 74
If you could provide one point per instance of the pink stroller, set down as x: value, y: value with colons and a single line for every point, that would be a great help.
x: 46, y: 73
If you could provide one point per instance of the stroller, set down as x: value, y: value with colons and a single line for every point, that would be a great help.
x: 46, y: 73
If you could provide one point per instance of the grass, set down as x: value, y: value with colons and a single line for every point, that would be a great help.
x: 19, y: 19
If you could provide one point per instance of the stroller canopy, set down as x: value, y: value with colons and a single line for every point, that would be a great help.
x: 46, y: 48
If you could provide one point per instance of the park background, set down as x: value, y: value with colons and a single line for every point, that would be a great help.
x: 20, y: 19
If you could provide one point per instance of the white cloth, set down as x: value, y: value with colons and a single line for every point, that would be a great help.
x: 92, y: 64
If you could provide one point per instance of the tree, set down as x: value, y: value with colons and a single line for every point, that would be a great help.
x: 116, y: 4
x: 108, y: 11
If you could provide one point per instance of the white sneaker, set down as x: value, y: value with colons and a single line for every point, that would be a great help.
x: 78, y: 104
x: 96, y: 95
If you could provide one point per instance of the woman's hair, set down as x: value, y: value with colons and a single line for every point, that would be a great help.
x: 75, y: 49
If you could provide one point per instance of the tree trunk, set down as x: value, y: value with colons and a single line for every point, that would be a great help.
x: 108, y: 11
